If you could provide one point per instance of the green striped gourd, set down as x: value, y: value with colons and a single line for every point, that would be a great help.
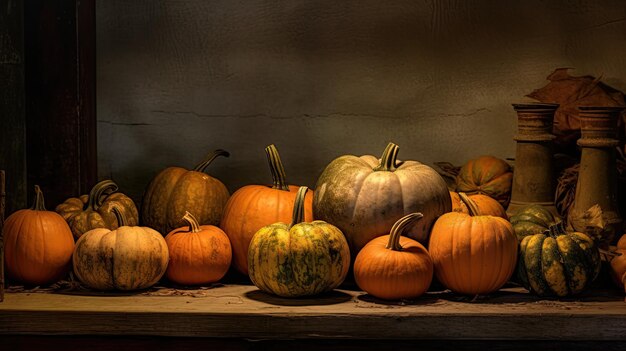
x: 532, y: 219
x: 298, y: 259
x: 558, y: 263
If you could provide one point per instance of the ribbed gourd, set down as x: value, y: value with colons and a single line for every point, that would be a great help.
x: 557, y: 262
x: 300, y: 258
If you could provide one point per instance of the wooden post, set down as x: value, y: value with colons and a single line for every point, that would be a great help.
x: 2, y: 202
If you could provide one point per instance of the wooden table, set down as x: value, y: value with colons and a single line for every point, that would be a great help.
x: 242, y: 311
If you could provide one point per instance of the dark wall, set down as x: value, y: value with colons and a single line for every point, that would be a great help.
x: 324, y: 78
x: 12, y: 123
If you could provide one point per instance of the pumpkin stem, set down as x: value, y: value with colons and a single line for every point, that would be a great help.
x: 399, y: 228
x: 470, y: 204
x: 194, y: 227
x: 210, y: 157
x: 556, y: 229
x: 95, y: 195
x: 298, y: 207
x: 388, y: 161
x: 39, y: 204
x: 119, y: 215
x: 276, y: 167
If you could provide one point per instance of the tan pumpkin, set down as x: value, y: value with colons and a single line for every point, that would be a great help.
x: 255, y: 206
x: 487, y: 175
x: 473, y: 254
x: 92, y: 211
x: 38, y: 244
x: 486, y: 205
x: 198, y: 254
x: 176, y: 190
x: 128, y: 258
x: 364, y: 196
x: 394, y: 267
x: 618, y: 263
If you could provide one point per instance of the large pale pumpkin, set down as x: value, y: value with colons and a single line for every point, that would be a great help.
x: 255, y: 206
x: 128, y: 258
x: 394, y: 267
x: 198, y: 254
x: 532, y: 219
x: 92, y: 211
x: 618, y: 263
x: 486, y: 205
x: 298, y: 259
x: 38, y: 244
x: 364, y: 196
x: 486, y: 175
x: 176, y: 190
x: 473, y: 254
x: 558, y: 263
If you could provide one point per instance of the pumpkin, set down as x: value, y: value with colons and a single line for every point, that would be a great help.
x: 473, y: 254
x: 486, y: 205
x: 532, y: 219
x: 255, y: 206
x: 127, y: 258
x: 198, y: 254
x: 92, y: 211
x: 38, y: 244
x: 176, y: 190
x: 618, y: 263
x: 394, y: 267
x: 486, y: 175
x: 558, y: 263
x: 298, y: 259
x: 364, y: 196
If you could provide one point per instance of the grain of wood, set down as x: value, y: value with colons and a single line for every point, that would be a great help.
x: 242, y: 311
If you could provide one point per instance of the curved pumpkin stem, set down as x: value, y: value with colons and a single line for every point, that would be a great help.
x: 277, y: 169
x: 399, y: 228
x: 471, y: 205
x: 298, y: 207
x: 95, y: 195
x: 207, y: 161
x: 39, y: 204
x: 119, y: 215
x: 556, y: 229
x: 389, y: 158
x: 194, y: 227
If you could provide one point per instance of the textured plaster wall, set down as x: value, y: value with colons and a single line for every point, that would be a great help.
x: 324, y: 78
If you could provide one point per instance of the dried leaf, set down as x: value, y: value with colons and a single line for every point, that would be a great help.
x: 571, y: 92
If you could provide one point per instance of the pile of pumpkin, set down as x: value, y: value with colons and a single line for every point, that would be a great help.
x: 394, y: 220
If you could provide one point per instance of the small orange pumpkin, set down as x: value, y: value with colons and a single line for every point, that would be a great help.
x: 486, y: 204
x: 618, y: 263
x: 393, y: 266
x: 486, y: 175
x: 198, y: 254
x: 254, y: 206
x: 38, y: 244
x: 473, y: 254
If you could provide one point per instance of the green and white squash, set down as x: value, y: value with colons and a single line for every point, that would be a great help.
x: 364, y: 196
x: 298, y: 259
x: 532, y: 219
x: 558, y: 263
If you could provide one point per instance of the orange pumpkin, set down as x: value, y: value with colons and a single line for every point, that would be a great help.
x: 176, y: 190
x: 254, y: 206
x: 198, y: 254
x: 618, y: 263
x: 393, y: 266
x: 486, y: 205
x: 38, y: 244
x: 473, y: 254
x: 486, y: 175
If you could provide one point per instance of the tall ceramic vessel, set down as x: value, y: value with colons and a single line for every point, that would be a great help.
x: 533, y: 178
x: 597, y: 180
